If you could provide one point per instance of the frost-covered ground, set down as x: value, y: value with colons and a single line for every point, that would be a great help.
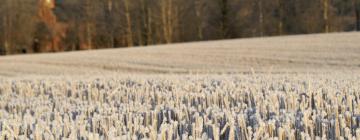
x: 300, y: 54
x: 297, y: 87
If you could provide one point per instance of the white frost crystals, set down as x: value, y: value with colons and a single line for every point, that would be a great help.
x: 177, y: 107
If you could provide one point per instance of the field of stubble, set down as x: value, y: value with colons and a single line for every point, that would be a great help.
x: 296, y: 87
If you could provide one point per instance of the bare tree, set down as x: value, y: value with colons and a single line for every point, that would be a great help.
x: 6, y: 34
x: 144, y: 23
x: 88, y: 24
x: 326, y: 15
x: 357, y: 14
x: 149, y: 29
x: 7, y: 25
x: 16, y: 25
x: 169, y: 19
x: 261, y: 17
x: 224, y: 18
x: 110, y: 19
x: 199, y: 10
x: 148, y: 26
x: 129, y: 32
x: 280, y: 16
x: 166, y: 6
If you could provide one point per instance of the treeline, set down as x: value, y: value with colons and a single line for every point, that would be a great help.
x: 28, y: 26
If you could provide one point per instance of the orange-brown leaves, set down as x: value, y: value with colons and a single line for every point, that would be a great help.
x: 57, y: 30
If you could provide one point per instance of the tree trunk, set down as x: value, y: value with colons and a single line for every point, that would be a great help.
x: 261, y: 18
x: 199, y: 15
x: 280, y: 14
x: 139, y: 33
x: 7, y: 27
x: 128, y: 22
x: 110, y: 5
x: 89, y: 36
x: 357, y: 15
x: 357, y: 19
x: 326, y: 15
x: 175, y: 24
x: 170, y: 21
x: 146, y: 34
x: 110, y: 19
x: 168, y: 18
x: 224, y: 27
x: 149, y: 27
x: 5, y: 37
x: 7, y: 32
x: 88, y: 30
x: 164, y: 20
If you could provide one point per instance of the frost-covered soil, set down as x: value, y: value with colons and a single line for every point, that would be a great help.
x: 290, y: 54
x: 297, y: 87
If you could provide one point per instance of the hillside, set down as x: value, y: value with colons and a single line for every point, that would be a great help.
x: 289, y: 54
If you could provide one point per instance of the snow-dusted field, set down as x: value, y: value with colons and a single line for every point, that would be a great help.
x: 295, y: 87
x: 300, y: 54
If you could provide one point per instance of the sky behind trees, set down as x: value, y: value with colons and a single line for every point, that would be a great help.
x: 32, y: 26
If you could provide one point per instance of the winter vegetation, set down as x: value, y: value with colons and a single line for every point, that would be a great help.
x: 280, y: 88
x: 232, y: 107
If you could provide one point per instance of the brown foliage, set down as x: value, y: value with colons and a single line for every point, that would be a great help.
x: 57, y: 30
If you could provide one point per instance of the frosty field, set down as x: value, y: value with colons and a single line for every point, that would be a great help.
x: 292, y: 54
x: 293, y: 87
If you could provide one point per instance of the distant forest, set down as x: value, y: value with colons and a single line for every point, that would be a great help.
x: 34, y: 26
